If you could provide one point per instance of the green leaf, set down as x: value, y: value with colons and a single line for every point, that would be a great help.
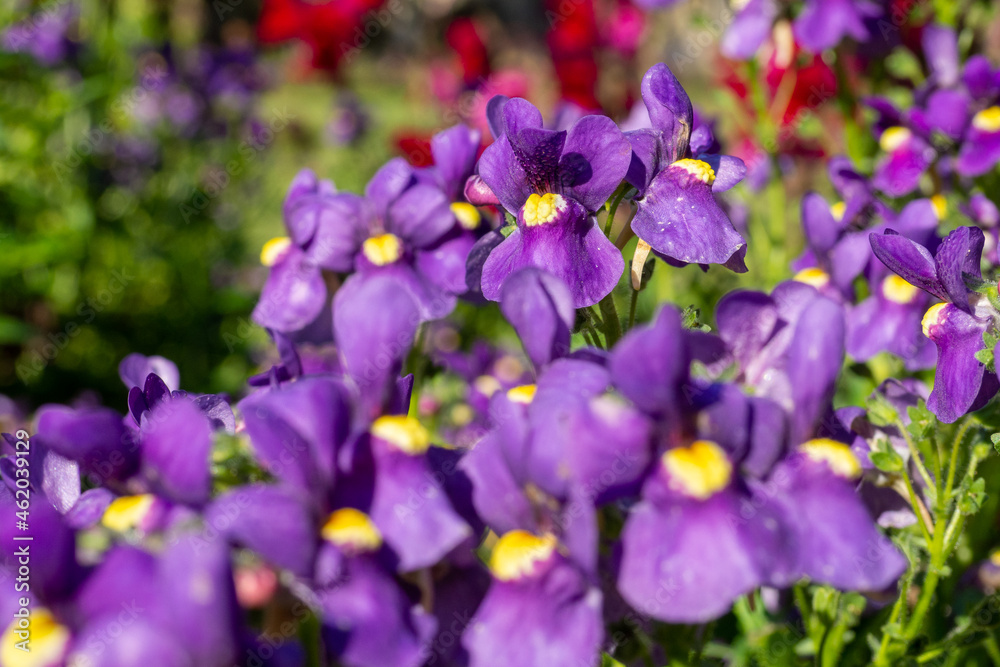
x: 880, y: 411
x: 972, y: 496
x: 608, y: 661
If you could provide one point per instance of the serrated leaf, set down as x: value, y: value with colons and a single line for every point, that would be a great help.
x: 996, y: 441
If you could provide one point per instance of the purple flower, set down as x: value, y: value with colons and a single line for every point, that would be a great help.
x: 540, y: 308
x: 677, y: 214
x: 540, y: 610
x: 552, y: 181
x: 749, y: 29
x: 980, y: 150
x: 43, y: 35
x: 962, y: 383
x: 823, y: 23
x: 907, y: 158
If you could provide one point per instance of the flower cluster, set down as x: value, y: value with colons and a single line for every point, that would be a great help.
x: 606, y: 479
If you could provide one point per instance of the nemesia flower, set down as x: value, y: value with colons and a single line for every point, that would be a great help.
x: 677, y: 214
x: 540, y: 598
x: 962, y: 382
x: 823, y: 23
x: 552, y: 181
x: 907, y: 158
x: 540, y: 308
x: 43, y: 35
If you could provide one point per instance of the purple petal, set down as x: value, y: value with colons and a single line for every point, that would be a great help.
x: 594, y: 161
x: 940, y: 45
x: 979, y: 153
x: 649, y: 364
x: 823, y: 23
x: 680, y: 219
x: 960, y: 254
x: 96, y: 438
x: 646, y: 155
x: 444, y: 263
x: 375, y: 322
x: 688, y: 562
x: 909, y: 260
x: 540, y: 308
x: 293, y: 295
x: 729, y: 170
x: 821, y: 229
x: 411, y: 509
x: 454, y: 152
x: 669, y: 107
x: 556, y: 620
x: 572, y: 248
x: 746, y: 321
x: 749, y: 29
x: 898, y: 173
x: 420, y: 215
x: 246, y: 515
x: 959, y: 374
x: 176, y: 447
x: 814, y: 360
x: 388, y: 183
x: 135, y: 368
x: 343, y: 224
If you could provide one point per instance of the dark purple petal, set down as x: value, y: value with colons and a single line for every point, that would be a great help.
x: 909, y: 260
x: 494, y: 114
x: 503, y: 174
x: 898, y: 173
x: 478, y: 255
x: 594, y: 161
x: 821, y: 229
x: 540, y: 308
x: 135, y: 368
x: 297, y: 430
x: 646, y: 156
x: 960, y: 254
x: 194, y: 575
x: 959, y: 375
x: 948, y: 112
x: 444, y: 263
x: 669, y: 108
x: 980, y: 151
x: 176, y: 448
x: 293, y: 295
x: 89, y: 508
x: 680, y: 219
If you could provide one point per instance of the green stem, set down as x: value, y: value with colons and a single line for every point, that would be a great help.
x: 917, y: 509
x: 616, y: 199
x: 612, y: 325
x: 631, y: 308
x: 915, y: 455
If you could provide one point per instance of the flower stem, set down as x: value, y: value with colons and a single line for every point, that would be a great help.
x: 612, y: 325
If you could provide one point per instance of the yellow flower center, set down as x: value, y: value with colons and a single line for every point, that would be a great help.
x: 893, y: 138
x: 940, y: 205
x: 466, y: 214
x: 404, y: 433
x: 898, y: 290
x: 383, y: 249
x: 837, y: 210
x: 274, y: 249
x: 523, y: 394
x: 995, y: 557
x: 987, y: 120
x: 814, y: 276
x: 933, y: 317
x: 351, y: 529
x: 518, y: 553
x: 37, y: 641
x: 542, y: 209
x: 700, y: 170
x: 127, y: 512
x: 836, y: 455
x: 698, y: 470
